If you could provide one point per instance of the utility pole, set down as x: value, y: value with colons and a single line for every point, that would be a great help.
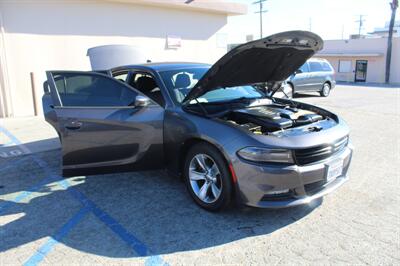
x: 261, y: 12
x: 310, y: 24
x: 393, y: 5
x: 360, y: 24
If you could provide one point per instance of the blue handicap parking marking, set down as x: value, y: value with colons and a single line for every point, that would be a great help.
x: 139, y: 247
x: 155, y: 261
x: 13, y: 147
x: 132, y: 241
x: 64, y: 230
x: 24, y: 194
x: 6, y: 153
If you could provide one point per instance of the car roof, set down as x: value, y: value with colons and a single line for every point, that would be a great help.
x: 316, y: 59
x: 164, y: 66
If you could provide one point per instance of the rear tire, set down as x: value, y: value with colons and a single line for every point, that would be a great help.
x: 207, y: 177
x: 326, y: 89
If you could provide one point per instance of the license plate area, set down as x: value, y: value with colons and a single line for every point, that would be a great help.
x: 335, y: 169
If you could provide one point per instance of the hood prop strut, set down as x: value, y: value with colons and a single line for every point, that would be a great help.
x: 277, y: 86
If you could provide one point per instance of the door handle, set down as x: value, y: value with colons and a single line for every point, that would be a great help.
x: 73, y: 125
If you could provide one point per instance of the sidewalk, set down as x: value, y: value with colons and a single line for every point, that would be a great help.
x: 368, y: 84
x: 33, y: 132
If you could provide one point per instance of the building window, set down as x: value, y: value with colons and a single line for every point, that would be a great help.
x: 344, y: 66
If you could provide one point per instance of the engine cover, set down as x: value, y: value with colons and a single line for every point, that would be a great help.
x: 266, y: 116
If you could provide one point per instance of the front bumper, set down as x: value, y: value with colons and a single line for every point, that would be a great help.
x: 305, y: 183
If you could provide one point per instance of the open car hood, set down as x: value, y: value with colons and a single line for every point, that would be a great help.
x: 270, y: 59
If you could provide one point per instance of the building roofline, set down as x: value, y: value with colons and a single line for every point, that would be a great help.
x: 349, y: 54
x: 215, y: 6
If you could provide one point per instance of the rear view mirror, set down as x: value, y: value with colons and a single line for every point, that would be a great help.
x: 141, y: 101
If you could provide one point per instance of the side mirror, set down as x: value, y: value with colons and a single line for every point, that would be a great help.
x: 298, y: 71
x: 46, y: 87
x: 141, y: 101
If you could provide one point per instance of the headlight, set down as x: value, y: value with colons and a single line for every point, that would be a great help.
x: 257, y: 154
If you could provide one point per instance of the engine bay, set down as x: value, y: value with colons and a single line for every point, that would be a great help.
x: 271, y: 118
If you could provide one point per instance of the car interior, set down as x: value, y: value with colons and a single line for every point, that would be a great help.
x: 146, y: 84
x: 182, y: 86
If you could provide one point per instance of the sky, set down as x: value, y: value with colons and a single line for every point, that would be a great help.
x: 331, y: 19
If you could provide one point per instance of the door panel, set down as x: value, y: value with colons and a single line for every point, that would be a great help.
x: 110, y: 134
x: 301, y: 80
x: 316, y: 78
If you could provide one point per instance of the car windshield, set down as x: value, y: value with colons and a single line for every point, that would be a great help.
x: 181, y: 81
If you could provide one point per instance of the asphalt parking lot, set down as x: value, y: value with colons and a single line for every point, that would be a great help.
x: 148, y: 217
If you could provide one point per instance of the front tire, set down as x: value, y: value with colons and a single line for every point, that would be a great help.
x: 326, y: 89
x: 207, y: 177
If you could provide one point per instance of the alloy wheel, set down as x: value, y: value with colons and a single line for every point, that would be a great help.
x: 205, y: 178
x: 326, y: 89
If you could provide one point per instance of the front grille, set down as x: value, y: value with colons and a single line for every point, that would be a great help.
x: 278, y: 197
x: 313, y: 188
x: 318, y: 153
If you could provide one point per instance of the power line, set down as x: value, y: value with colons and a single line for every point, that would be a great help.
x: 261, y: 12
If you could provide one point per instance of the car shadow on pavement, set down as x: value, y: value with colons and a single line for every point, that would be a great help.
x: 152, y: 206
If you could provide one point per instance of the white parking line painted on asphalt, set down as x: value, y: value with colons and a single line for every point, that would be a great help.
x: 11, y: 153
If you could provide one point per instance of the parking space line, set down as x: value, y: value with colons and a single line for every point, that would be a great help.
x: 155, y: 261
x: 48, y: 246
x: 139, y: 247
x: 14, y: 140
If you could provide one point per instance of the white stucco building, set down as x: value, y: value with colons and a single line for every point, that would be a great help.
x: 362, y: 60
x: 45, y: 35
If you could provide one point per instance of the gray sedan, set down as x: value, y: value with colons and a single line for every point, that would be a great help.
x: 215, y: 126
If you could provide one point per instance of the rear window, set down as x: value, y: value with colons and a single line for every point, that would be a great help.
x: 315, y: 66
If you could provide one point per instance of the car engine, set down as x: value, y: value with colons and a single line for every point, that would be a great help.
x: 270, y: 118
